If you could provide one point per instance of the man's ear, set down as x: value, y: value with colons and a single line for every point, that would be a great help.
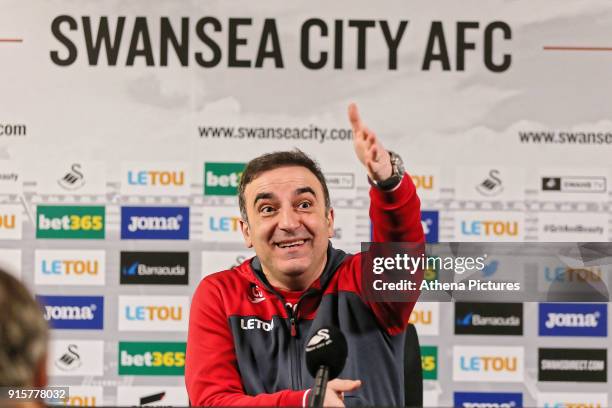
x: 330, y: 223
x: 246, y: 233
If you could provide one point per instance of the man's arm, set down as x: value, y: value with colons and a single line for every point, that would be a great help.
x: 395, y: 215
x: 211, y: 371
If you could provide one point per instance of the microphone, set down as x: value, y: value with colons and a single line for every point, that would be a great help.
x: 326, y: 353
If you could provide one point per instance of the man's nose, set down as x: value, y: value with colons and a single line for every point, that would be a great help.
x: 289, y: 219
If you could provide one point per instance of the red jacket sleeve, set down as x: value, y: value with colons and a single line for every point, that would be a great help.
x: 211, y: 371
x: 396, y: 217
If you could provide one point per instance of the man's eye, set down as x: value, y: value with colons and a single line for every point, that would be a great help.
x: 266, y: 209
x: 304, y: 204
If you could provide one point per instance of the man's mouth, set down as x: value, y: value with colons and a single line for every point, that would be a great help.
x: 291, y: 244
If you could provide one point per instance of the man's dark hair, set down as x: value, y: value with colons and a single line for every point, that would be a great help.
x: 271, y: 161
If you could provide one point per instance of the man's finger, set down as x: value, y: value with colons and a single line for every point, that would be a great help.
x: 354, y: 117
x: 339, y: 385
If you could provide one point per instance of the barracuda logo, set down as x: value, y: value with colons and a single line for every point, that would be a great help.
x: 472, y: 319
x: 155, y: 222
x: 489, y: 318
x: 573, y: 319
x: 169, y: 268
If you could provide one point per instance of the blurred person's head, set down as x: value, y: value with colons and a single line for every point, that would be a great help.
x: 23, y: 336
x: 286, y: 216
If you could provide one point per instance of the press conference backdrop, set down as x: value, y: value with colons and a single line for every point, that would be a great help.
x: 124, y: 128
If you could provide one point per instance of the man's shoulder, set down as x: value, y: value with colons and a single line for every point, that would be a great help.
x: 227, y: 278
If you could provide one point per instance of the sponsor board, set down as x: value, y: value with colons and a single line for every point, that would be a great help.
x: 11, y: 221
x: 10, y: 261
x: 345, y: 232
x: 575, y: 365
x: 73, y: 312
x: 429, y: 362
x: 489, y: 318
x: 69, y: 267
x: 84, y: 396
x: 487, y: 399
x: 572, y: 400
x: 70, y: 222
x: 222, y: 178
x: 216, y: 261
x: 431, y: 398
x: 152, y: 396
x: 153, y: 313
x: 568, y: 227
x: 154, y: 222
x: 488, y: 363
x: 426, y: 318
x: 76, y: 177
x: 430, y: 220
x: 155, y: 179
x: 151, y: 358
x: 426, y: 180
x: 76, y: 358
x: 10, y: 178
x: 573, y: 319
x: 221, y: 225
x: 490, y: 183
x: 151, y: 268
x: 473, y: 226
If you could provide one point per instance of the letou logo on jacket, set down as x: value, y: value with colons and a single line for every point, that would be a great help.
x: 154, y: 222
x: 73, y: 312
x: 222, y: 178
x: 488, y: 363
x: 76, y: 222
x: 152, y: 358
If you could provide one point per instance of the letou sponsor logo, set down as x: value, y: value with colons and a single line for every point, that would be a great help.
x: 155, y: 179
x: 69, y: 267
x: 168, y: 268
x: 426, y: 318
x: 85, y: 396
x: 72, y: 357
x: 10, y: 261
x: 152, y: 358
x: 489, y: 318
x: 429, y: 362
x: 487, y: 363
x: 154, y: 222
x: 72, y: 222
x: 573, y: 319
x: 151, y: 396
x: 488, y: 399
x: 10, y: 221
x: 73, y: 312
x: 222, y: 178
x: 222, y: 225
x: 572, y: 400
x: 153, y: 313
x: 579, y: 365
x: 493, y: 226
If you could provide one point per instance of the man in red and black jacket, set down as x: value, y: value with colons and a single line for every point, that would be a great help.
x: 248, y: 325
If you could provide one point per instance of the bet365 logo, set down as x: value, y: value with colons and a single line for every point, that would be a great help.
x: 222, y: 178
x: 155, y: 358
x: 79, y: 222
x: 429, y: 362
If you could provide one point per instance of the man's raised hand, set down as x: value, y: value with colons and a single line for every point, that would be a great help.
x: 368, y: 148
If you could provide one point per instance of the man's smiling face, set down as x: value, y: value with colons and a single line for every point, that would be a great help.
x: 288, y: 225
